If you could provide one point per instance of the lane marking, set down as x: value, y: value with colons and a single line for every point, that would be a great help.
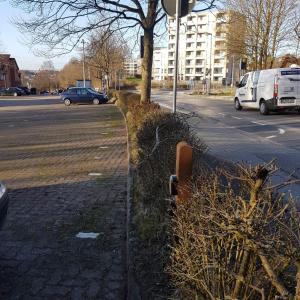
x: 178, y: 110
x: 103, y: 147
x: 221, y: 114
x: 258, y: 123
x: 104, y: 133
x: 95, y: 174
x: 281, y: 131
x: 237, y: 118
x: 87, y: 235
x: 271, y: 137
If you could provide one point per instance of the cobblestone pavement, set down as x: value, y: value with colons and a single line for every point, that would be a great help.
x: 47, y: 155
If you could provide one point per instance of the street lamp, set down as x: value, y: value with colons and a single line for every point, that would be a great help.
x: 83, y: 62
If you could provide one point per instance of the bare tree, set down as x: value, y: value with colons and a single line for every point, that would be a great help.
x: 106, y: 53
x: 70, y: 73
x: 46, y: 77
x: 59, y: 23
x: 266, y: 28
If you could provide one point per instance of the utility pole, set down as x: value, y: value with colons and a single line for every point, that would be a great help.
x: 83, y: 62
x: 178, y: 13
x: 232, y: 71
x: 210, y: 64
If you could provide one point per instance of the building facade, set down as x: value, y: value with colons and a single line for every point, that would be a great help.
x: 202, y: 47
x: 9, y: 72
x: 160, y: 63
x: 132, y: 67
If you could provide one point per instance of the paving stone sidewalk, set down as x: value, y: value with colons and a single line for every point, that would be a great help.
x: 47, y: 156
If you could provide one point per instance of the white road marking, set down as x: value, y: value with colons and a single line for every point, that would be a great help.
x: 271, y: 137
x: 237, y: 118
x: 281, y: 131
x: 87, y: 235
x: 104, y: 133
x: 258, y: 123
x: 103, y: 147
x: 179, y: 110
x: 95, y: 174
x: 221, y: 114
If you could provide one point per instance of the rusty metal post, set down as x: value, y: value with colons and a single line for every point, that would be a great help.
x: 184, y: 165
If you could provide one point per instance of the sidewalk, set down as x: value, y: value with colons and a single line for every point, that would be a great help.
x: 66, y: 169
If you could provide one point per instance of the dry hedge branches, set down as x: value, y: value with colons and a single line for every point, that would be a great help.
x: 236, y: 238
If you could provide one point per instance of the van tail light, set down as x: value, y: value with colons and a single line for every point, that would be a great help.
x: 275, y: 89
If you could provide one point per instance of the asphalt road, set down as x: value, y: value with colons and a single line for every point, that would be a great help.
x: 243, y: 135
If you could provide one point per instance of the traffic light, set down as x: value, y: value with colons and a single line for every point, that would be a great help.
x: 184, y: 7
x: 243, y: 64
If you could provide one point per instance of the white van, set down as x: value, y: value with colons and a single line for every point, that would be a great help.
x: 269, y: 90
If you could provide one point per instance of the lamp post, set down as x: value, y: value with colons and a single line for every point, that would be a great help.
x: 178, y: 13
x: 210, y: 63
x: 83, y: 62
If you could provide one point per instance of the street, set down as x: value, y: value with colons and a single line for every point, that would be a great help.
x: 66, y: 171
x: 243, y: 135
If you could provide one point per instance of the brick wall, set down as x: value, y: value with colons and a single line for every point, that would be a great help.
x: 9, y: 71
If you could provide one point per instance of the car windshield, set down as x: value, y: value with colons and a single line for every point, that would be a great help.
x: 93, y: 91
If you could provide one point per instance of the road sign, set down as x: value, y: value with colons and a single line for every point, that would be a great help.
x: 169, y: 7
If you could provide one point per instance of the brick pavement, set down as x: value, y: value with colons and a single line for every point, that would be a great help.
x: 46, y: 155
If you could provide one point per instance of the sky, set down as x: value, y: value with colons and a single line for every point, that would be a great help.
x: 11, y: 42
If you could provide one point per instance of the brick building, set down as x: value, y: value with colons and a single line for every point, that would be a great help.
x: 9, y: 72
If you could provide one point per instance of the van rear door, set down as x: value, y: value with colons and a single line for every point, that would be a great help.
x: 289, y: 87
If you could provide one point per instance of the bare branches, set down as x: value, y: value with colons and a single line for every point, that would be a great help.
x: 244, y: 233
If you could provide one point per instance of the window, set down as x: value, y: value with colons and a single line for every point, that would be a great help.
x: 244, y: 80
x: 72, y: 91
x: 82, y: 91
x: 256, y: 76
x: 190, y: 36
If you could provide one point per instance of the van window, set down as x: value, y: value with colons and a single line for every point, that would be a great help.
x: 244, y: 80
x: 256, y: 76
x: 291, y: 72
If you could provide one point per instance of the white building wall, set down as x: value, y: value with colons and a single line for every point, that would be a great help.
x: 201, y: 47
x: 160, y: 63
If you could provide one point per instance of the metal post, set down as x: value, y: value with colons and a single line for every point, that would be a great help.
x: 210, y: 65
x: 83, y: 64
x: 232, y: 71
x: 178, y: 12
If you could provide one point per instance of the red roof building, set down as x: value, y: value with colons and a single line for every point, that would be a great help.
x: 9, y: 72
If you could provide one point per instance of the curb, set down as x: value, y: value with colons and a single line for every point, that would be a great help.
x: 132, y: 291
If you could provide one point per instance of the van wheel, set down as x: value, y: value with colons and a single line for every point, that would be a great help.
x: 263, y: 109
x: 237, y: 104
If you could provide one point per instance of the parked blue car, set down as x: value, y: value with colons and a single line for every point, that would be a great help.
x: 82, y: 95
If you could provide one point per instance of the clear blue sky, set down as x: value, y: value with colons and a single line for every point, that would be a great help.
x: 11, y: 42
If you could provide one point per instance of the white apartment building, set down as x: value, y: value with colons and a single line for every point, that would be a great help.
x: 132, y: 67
x: 201, y: 47
x: 160, y: 63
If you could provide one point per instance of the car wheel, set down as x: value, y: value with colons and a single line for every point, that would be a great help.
x: 263, y: 109
x: 96, y: 101
x: 15, y: 94
x: 237, y: 104
x: 67, y: 102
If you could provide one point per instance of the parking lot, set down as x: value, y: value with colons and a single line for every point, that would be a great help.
x: 66, y: 170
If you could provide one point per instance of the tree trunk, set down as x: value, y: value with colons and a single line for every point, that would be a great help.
x: 147, y: 65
